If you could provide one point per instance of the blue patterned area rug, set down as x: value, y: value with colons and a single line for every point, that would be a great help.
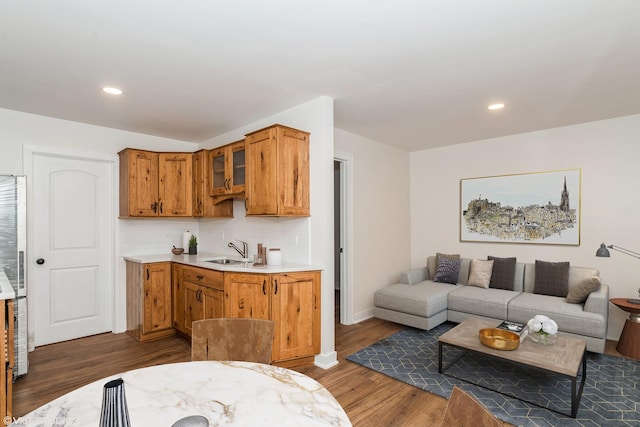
x: 610, y: 397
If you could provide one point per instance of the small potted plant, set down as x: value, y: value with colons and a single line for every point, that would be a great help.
x: 193, y: 245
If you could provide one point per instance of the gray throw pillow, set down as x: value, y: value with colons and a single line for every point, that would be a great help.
x: 580, y: 292
x: 504, y: 270
x: 447, y: 271
x: 480, y: 273
x: 552, y: 278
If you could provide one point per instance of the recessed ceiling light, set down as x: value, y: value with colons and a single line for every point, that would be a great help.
x: 112, y: 90
x: 496, y: 106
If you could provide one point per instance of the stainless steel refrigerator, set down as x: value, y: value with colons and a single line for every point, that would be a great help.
x: 13, y: 246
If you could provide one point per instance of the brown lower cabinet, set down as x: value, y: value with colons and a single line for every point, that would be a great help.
x: 198, y: 294
x: 149, y: 307
x: 291, y: 300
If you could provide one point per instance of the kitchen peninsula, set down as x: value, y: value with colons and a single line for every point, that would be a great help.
x: 166, y: 293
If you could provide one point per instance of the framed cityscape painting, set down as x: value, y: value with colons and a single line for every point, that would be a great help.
x: 540, y: 207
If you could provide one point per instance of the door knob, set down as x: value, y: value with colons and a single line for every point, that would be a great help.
x: 40, y: 261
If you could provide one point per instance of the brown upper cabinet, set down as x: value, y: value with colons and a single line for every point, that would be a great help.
x: 227, y: 169
x: 155, y: 184
x: 203, y: 204
x: 277, y: 172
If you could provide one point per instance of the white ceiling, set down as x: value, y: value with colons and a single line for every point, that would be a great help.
x: 411, y: 73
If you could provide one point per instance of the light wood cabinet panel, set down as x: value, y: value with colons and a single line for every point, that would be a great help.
x: 155, y: 184
x: 193, y: 306
x: 138, y: 183
x: 175, y: 186
x: 277, y: 172
x: 213, y: 301
x: 201, y: 296
x: 247, y: 295
x: 291, y: 300
x: 177, y: 300
x: 203, y: 204
x: 295, y: 308
x: 149, y: 300
x: 227, y: 166
x: 157, y: 297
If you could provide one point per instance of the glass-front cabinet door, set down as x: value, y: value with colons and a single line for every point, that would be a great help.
x: 219, y: 176
x: 239, y: 166
x: 228, y: 169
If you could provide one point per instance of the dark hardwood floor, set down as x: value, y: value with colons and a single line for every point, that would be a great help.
x: 369, y: 398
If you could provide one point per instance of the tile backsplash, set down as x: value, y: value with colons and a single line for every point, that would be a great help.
x: 155, y: 236
x: 291, y: 235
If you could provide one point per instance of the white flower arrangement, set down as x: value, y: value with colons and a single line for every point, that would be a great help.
x: 542, y: 325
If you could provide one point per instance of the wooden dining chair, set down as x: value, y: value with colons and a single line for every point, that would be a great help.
x: 464, y: 411
x: 247, y: 340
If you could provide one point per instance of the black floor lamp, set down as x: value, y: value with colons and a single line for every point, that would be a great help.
x: 604, y: 252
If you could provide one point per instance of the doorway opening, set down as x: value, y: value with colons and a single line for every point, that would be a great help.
x: 343, y: 220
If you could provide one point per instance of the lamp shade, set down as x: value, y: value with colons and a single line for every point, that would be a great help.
x: 603, y: 251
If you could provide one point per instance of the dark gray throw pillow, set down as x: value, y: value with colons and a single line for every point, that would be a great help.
x: 447, y: 271
x: 552, y: 278
x: 504, y: 270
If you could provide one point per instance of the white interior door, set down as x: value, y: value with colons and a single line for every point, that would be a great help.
x: 73, y: 239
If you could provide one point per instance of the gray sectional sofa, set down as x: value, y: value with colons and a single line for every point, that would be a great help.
x: 420, y: 302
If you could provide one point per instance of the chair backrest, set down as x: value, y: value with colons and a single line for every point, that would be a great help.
x: 247, y: 340
x: 464, y: 411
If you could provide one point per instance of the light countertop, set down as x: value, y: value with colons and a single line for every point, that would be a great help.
x: 6, y: 291
x: 200, y: 260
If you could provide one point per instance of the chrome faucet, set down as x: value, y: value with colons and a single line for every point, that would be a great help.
x: 244, y: 253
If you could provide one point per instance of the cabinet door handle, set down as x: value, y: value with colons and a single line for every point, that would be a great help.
x: 154, y: 206
x: 228, y: 184
x: 200, y: 277
x: 276, y: 290
x: 199, y: 295
x: 147, y: 274
x: 160, y: 207
x: 264, y: 287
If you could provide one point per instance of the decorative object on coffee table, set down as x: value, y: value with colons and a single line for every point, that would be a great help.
x: 543, y: 330
x: 500, y: 339
x: 604, y: 252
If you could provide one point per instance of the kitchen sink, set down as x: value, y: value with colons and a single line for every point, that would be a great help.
x: 225, y: 261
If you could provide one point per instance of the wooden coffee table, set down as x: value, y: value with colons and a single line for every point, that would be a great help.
x: 563, y: 358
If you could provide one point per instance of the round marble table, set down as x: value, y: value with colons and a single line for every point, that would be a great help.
x: 629, y: 341
x: 226, y: 393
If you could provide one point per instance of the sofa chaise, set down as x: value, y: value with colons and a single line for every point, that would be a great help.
x: 423, y: 303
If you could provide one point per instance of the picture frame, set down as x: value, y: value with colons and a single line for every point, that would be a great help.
x: 533, y: 207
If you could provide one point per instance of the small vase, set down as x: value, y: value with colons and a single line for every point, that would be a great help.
x: 544, y: 339
x: 114, y: 411
x: 193, y: 250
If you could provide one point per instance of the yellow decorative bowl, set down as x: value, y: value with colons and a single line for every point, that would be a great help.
x: 500, y: 339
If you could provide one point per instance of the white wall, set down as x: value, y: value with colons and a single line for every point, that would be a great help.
x: 304, y: 240
x: 381, y: 226
x: 44, y: 134
x: 608, y: 153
